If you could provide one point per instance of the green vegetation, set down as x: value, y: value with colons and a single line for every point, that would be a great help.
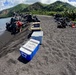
x: 43, y: 9
x: 9, y: 12
x: 70, y: 14
x: 18, y: 8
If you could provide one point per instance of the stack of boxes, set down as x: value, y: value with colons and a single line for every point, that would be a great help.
x: 29, y: 49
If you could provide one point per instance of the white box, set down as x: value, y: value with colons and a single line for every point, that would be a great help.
x: 37, y: 35
x: 29, y: 49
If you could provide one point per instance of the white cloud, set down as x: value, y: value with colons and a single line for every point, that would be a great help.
x: 51, y: 1
x: 9, y: 3
x: 18, y: 1
x: 15, y: 2
x: 1, y: 4
x: 46, y: 1
x: 72, y: 3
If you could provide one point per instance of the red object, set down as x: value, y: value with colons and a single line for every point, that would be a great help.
x: 73, y: 25
x: 19, y: 23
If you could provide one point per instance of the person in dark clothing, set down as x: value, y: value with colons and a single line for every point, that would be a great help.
x: 8, y: 26
x: 13, y: 28
x: 29, y: 18
x: 63, y: 23
x: 12, y: 20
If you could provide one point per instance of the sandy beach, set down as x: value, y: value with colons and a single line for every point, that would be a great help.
x: 56, y: 55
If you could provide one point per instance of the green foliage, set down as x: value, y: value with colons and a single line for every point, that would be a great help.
x: 52, y: 13
x: 70, y: 14
x: 18, y: 8
x: 42, y: 9
x: 59, y: 6
x: 34, y: 7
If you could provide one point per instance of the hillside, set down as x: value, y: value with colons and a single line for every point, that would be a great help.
x: 38, y: 8
x: 17, y: 8
x: 59, y: 6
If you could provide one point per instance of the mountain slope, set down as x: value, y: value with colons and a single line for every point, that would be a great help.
x: 19, y: 7
x: 59, y: 6
x: 38, y: 8
x: 8, y: 12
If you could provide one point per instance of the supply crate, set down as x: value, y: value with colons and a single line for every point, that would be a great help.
x: 29, y: 49
x: 37, y: 35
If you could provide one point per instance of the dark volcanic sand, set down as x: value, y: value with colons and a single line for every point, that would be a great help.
x: 56, y: 56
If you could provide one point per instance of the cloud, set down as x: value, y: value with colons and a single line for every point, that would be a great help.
x: 42, y: 1
x: 72, y: 0
x: 10, y: 3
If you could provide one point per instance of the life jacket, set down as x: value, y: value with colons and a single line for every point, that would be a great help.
x: 73, y: 25
x: 19, y: 23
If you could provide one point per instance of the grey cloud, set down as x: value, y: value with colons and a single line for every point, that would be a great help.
x: 31, y: 1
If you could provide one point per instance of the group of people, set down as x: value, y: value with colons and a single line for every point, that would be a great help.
x: 18, y: 21
x: 15, y: 25
x: 62, y: 21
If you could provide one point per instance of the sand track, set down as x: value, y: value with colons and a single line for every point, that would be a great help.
x: 56, y: 56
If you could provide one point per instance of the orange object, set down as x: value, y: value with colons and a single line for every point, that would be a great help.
x: 19, y: 23
x: 73, y: 25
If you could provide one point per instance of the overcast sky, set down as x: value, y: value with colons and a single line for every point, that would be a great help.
x: 10, y: 3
